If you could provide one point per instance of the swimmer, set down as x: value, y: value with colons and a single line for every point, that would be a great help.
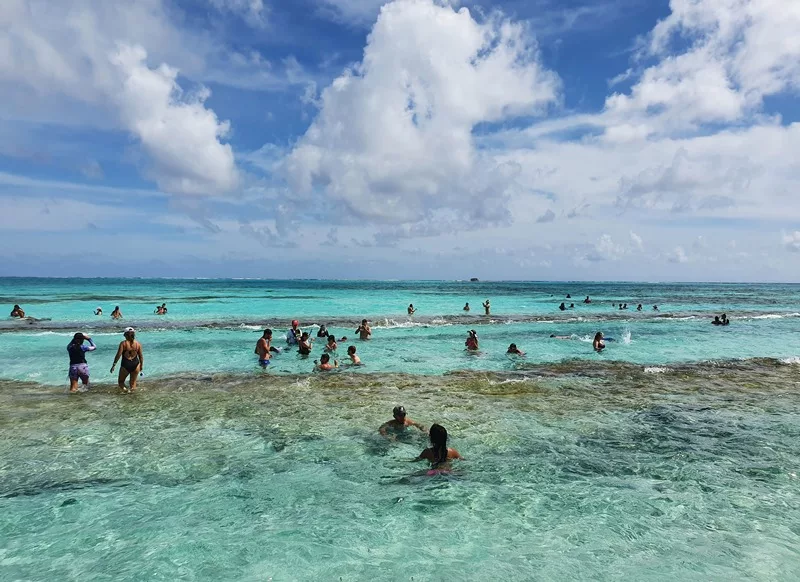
x: 354, y: 359
x: 264, y: 348
x: 411, y: 310
x: 587, y: 300
x: 130, y: 351
x: 716, y: 321
x: 572, y: 306
x: 472, y: 340
x: 78, y: 368
x: 724, y: 319
x: 116, y: 314
x: 399, y: 423
x: 331, y: 345
x: 562, y: 307
x: 655, y: 307
x: 323, y: 331
x: 324, y: 363
x: 569, y: 296
x: 513, y: 349
x: 98, y: 311
x: 438, y: 454
x: 17, y: 312
x: 294, y: 333
x: 561, y: 337
x: 364, y: 331
x: 598, y: 344
x: 639, y: 307
x: 305, y: 344
x: 487, y: 307
x: 466, y: 307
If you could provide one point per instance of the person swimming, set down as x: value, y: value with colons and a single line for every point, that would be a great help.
x: 130, y: 351
x: 294, y: 333
x: 724, y: 319
x: 98, y: 311
x: 78, y: 368
x: 513, y: 349
x: 324, y: 364
x: 323, y: 331
x: 438, y: 454
x: 716, y: 321
x: 569, y: 296
x: 399, y: 422
x: 472, y: 341
x: 655, y: 307
x: 116, y: 314
x: 264, y: 348
x: 572, y: 306
x: 331, y: 345
x: 17, y: 312
x: 466, y: 307
x: 639, y: 307
x: 587, y: 300
x: 598, y: 344
x: 562, y: 307
x: 411, y: 310
x: 354, y: 359
x: 561, y: 337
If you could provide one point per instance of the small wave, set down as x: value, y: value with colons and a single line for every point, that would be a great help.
x: 775, y: 316
x: 656, y: 370
x: 626, y: 337
x: 790, y: 361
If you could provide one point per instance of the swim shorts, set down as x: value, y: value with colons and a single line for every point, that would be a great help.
x: 264, y: 363
x: 79, y: 371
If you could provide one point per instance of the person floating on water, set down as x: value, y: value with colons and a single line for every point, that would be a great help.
x: 98, y: 311
x: 354, y: 359
x: 399, y: 423
x: 294, y: 333
x: 263, y: 348
x: 562, y: 307
x: 305, y: 344
x: 331, y: 345
x: 116, y: 314
x: 130, y: 351
x: 324, y: 363
x: 364, y: 331
x: 78, y: 368
x: 466, y: 307
x: 598, y: 344
x: 587, y: 300
x: 487, y: 307
x: 411, y: 310
x: 438, y: 454
x: 17, y: 312
x: 513, y: 349
x: 472, y: 340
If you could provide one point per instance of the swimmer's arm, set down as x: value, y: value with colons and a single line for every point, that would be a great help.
x: 454, y: 454
x: 424, y: 456
x: 91, y: 347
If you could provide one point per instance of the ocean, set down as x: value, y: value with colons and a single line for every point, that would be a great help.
x: 673, y: 453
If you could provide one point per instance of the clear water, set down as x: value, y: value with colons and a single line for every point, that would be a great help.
x: 674, y: 455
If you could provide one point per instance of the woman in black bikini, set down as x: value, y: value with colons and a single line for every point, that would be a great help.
x: 130, y: 351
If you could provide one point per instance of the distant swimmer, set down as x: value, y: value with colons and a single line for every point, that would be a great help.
x: 17, y: 312
x: 354, y: 359
x: 572, y: 306
x: 716, y: 321
x: 161, y: 309
x: 98, y: 311
x: 411, y: 310
x: 130, y: 351
x: 513, y: 349
x: 598, y: 344
x: 561, y: 337
x: 655, y: 307
x: 562, y: 307
x: 78, y: 368
x: 263, y: 348
x: 466, y: 307
x: 324, y: 363
x: 364, y: 331
x: 569, y: 296
x: 724, y: 319
x: 294, y: 333
x: 472, y: 340
x: 305, y: 344
x: 399, y: 423
x: 621, y: 307
x: 116, y: 314
x: 587, y: 300
x: 487, y: 307
x: 639, y: 307
x: 331, y: 345
x: 438, y: 454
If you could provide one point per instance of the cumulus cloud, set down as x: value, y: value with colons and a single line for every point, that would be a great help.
x: 678, y: 255
x: 791, y: 241
x: 393, y: 139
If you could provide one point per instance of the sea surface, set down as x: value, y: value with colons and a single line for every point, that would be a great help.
x: 673, y: 454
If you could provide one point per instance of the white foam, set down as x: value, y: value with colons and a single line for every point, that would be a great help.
x: 656, y: 370
x: 626, y: 337
x: 792, y: 360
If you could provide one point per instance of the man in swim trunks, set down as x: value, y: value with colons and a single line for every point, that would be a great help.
x: 78, y: 368
x: 364, y: 331
x: 263, y: 348
x: 354, y: 359
x: 399, y: 423
x: 130, y: 351
x: 294, y: 333
x: 17, y: 312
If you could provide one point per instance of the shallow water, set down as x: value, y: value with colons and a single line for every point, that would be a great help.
x: 673, y: 455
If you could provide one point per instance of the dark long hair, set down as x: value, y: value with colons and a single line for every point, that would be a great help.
x: 438, y: 436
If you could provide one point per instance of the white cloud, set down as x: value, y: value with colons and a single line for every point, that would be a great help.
x: 678, y: 255
x: 354, y: 12
x: 636, y: 242
x: 791, y: 241
x: 605, y: 250
x: 393, y: 139
x: 252, y: 11
x: 548, y: 216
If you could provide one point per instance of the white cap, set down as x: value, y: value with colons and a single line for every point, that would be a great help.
x: 129, y: 329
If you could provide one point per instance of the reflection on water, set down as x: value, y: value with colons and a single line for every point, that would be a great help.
x: 576, y: 470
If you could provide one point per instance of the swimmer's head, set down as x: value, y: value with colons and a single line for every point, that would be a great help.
x: 304, y: 336
x: 512, y: 347
x: 324, y: 358
x: 363, y: 322
x: 598, y: 336
x: 267, y: 333
x: 399, y: 412
x: 552, y: 335
x: 331, y: 339
x: 351, y: 350
x: 438, y: 435
x: 78, y: 338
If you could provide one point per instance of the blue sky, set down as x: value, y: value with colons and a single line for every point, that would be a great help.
x: 538, y: 139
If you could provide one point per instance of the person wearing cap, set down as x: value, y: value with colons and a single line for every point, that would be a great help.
x: 263, y: 348
x: 364, y: 331
x: 399, y: 422
x: 294, y: 333
x: 78, y: 368
x: 472, y: 341
x: 98, y: 311
x: 130, y: 351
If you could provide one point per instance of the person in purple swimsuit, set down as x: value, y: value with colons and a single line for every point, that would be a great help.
x: 78, y: 368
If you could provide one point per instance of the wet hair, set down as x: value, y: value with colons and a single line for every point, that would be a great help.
x: 331, y: 339
x: 78, y: 338
x: 598, y: 336
x: 512, y: 347
x: 267, y: 333
x: 305, y: 335
x: 324, y: 359
x: 16, y: 306
x: 438, y: 436
x: 351, y: 350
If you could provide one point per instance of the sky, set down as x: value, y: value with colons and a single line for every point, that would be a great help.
x: 647, y: 140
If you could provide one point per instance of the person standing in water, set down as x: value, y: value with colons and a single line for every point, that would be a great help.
x: 598, y: 344
x: 294, y: 333
x: 466, y: 307
x: 263, y: 348
x: 364, y: 331
x: 331, y: 345
x: 399, y: 423
x: 17, y: 312
x: 411, y: 310
x: 487, y: 307
x: 472, y: 341
x: 354, y: 359
x: 98, y: 311
x: 130, y: 351
x: 116, y: 314
x: 587, y: 300
x: 438, y: 454
x: 305, y: 344
x: 78, y: 368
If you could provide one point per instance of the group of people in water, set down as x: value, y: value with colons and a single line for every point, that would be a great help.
x: 438, y: 454
x: 129, y: 351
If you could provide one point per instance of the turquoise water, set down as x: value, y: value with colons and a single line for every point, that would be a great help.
x: 673, y: 455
